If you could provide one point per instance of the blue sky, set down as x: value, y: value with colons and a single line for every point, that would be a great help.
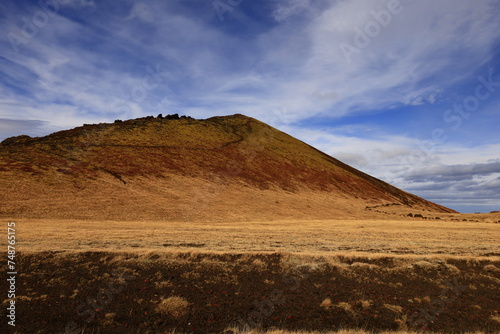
x: 407, y: 91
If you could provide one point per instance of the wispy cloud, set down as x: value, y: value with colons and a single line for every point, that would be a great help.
x: 11, y: 127
x: 284, y: 10
x: 279, y: 61
x: 441, y: 172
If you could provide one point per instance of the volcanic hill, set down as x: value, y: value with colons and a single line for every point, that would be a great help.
x: 170, y: 168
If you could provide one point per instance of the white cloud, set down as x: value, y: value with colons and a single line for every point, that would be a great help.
x: 286, y: 8
x: 141, y: 11
x: 456, y: 172
x: 419, y: 43
x: 302, y: 71
x: 77, y: 3
x: 451, y: 175
x: 71, y: 73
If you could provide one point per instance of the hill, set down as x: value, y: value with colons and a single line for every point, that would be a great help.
x: 171, y: 168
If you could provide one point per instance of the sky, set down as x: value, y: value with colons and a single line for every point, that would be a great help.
x: 406, y: 91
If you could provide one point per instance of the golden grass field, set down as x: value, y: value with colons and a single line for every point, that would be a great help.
x: 394, y: 237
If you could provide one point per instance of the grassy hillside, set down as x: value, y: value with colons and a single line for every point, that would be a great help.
x: 146, y: 163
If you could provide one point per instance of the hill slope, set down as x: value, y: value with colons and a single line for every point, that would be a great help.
x: 232, y: 167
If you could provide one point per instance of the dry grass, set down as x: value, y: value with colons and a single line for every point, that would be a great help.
x: 176, y: 307
x: 326, y: 303
x: 337, y: 237
x: 491, y: 268
x: 186, y: 286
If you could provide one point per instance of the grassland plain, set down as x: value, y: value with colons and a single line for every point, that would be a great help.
x: 409, y: 236
x: 216, y: 277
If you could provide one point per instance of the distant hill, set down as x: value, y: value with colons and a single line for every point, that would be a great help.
x: 171, y: 168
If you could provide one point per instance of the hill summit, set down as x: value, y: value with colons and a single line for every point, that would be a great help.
x: 180, y: 168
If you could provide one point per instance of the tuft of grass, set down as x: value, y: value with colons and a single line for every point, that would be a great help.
x: 163, y: 284
x: 491, y: 268
x: 452, y: 268
x: 176, y: 307
x: 425, y: 265
x: 345, y: 306
x: 395, y: 308
x: 364, y: 265
x: 366, y: 304
x: 326, y: 304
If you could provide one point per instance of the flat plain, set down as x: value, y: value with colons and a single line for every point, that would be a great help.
x: 403, y: 236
